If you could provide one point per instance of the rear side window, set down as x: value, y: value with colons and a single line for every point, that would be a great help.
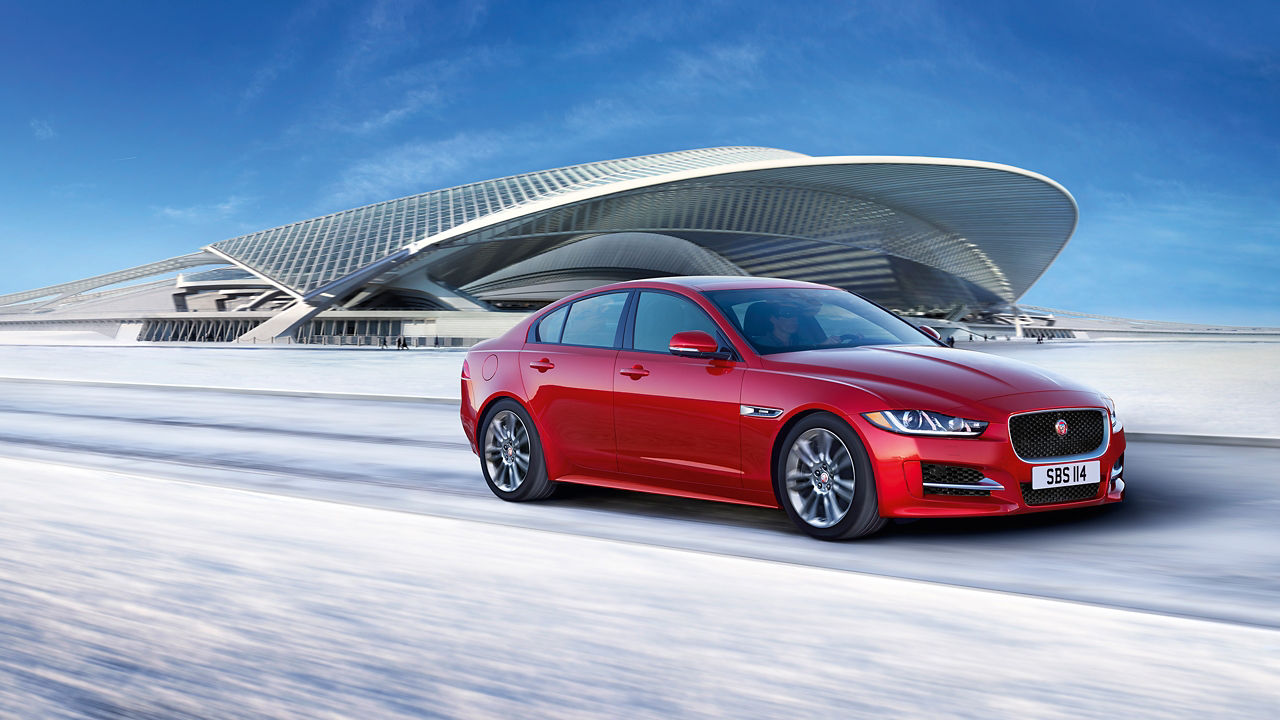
x: 659, y: 316
x: 594, y: 321
x: 550, y: 326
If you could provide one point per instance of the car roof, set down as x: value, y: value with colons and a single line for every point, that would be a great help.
x: 716, y: 282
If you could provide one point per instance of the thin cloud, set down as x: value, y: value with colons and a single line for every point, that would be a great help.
x: 265, y: 76
x: 413, y: 168
x: 607, y: 116
x: 72, y: 191
x: 287, y: 55
x: 204, y: 212
x: 413, y: 102
x: 383, y: 31
x: 641, y: 23
x: 391, y: 28
x: 42, y: 129
x: 714, y: 69
x: 686, y: 77
x: 473, y: 13
x: 388, y: 100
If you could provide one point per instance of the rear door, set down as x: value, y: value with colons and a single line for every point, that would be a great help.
x: 567, y: 369
x: 677, y: 419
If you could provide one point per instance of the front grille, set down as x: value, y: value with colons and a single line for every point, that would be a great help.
x: 1063, y: 494
x: 952, y: 475
x: 1034, y: 436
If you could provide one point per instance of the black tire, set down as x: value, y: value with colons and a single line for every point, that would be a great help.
x: 505, y: 436
x: 820, y: 497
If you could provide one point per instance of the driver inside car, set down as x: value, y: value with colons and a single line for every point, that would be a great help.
x: 786, y: 325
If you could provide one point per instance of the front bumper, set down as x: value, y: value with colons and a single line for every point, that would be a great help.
x: 899, y: 462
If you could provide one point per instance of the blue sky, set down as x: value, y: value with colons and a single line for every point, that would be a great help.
x: 135, y: 131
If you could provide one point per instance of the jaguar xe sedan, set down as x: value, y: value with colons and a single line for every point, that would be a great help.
x: 781, y: 394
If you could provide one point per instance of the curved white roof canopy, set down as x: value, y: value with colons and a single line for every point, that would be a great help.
x: 305, y: 256
x: 767, y: 211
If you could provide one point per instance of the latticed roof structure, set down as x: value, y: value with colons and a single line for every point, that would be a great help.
x: 304, y: 256
x: 911, y: 233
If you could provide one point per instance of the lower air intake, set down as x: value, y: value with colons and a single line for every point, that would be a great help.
x: 952, y: 475
x: 1055, y: 495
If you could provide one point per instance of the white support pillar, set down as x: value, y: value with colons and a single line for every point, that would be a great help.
x: 283, y: 323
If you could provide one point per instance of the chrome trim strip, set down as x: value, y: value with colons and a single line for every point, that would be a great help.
x: 1102, y: 450
x: 758, y: 411
x: 985, y: 483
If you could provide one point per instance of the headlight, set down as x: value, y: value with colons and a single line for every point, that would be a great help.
x: 924, y: 422
x: 1116, y: 425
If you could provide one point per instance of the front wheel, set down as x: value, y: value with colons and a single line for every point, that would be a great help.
x: 824, y: 480
x: 511, y: 454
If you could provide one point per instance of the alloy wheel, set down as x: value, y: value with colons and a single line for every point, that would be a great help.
x: 820, y: 478
x: 506, y: 450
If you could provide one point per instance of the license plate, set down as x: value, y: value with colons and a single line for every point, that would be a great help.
x: 1049, y: 476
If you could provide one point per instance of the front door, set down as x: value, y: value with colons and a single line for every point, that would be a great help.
x: 676, y: 419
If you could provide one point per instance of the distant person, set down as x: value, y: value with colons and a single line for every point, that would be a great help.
x: 382, y: 342
x: 951, y: 341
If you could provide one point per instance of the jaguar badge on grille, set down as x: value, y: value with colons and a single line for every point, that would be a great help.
x: 1060, y: 427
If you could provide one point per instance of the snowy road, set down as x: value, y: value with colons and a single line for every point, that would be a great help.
x: 1195, y: 538
x: 369, y: 573
x: 146, y: 599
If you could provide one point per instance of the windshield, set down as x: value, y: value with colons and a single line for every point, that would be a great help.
x: 777, y: 320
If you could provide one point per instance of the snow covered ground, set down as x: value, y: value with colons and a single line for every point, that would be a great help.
x: 125, y: 597
x: 363, y: 370
x: 367, y: 572
x: 1190, y: 387
x: 1195, y: 536
x: 1198, y: 388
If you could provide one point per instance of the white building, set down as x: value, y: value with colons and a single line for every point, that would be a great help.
x: 919, y: 235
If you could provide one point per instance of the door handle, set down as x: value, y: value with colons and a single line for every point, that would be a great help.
x: 542, y: 365
x: 635, y: 373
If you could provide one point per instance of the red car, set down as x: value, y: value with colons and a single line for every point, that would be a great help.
x: 781, y: 394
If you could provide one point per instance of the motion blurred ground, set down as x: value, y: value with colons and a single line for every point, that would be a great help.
x: 181, y: 555
x: 133, y: 598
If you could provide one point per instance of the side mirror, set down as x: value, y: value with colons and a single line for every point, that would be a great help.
x: 696, y: 344
x: 930, y: 332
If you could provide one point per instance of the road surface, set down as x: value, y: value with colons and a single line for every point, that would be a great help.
x: 368, y: 572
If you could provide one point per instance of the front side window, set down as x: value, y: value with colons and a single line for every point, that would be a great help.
x: 776, y: 320
x: 660, y: 315
x: 594, y: 321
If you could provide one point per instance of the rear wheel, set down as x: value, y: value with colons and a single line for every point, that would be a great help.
x: 824, y: 480
x: 511, y: 454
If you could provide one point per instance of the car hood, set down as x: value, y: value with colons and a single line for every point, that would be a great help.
x: 930, y: 378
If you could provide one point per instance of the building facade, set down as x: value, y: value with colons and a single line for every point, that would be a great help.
x: 923, y: 236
